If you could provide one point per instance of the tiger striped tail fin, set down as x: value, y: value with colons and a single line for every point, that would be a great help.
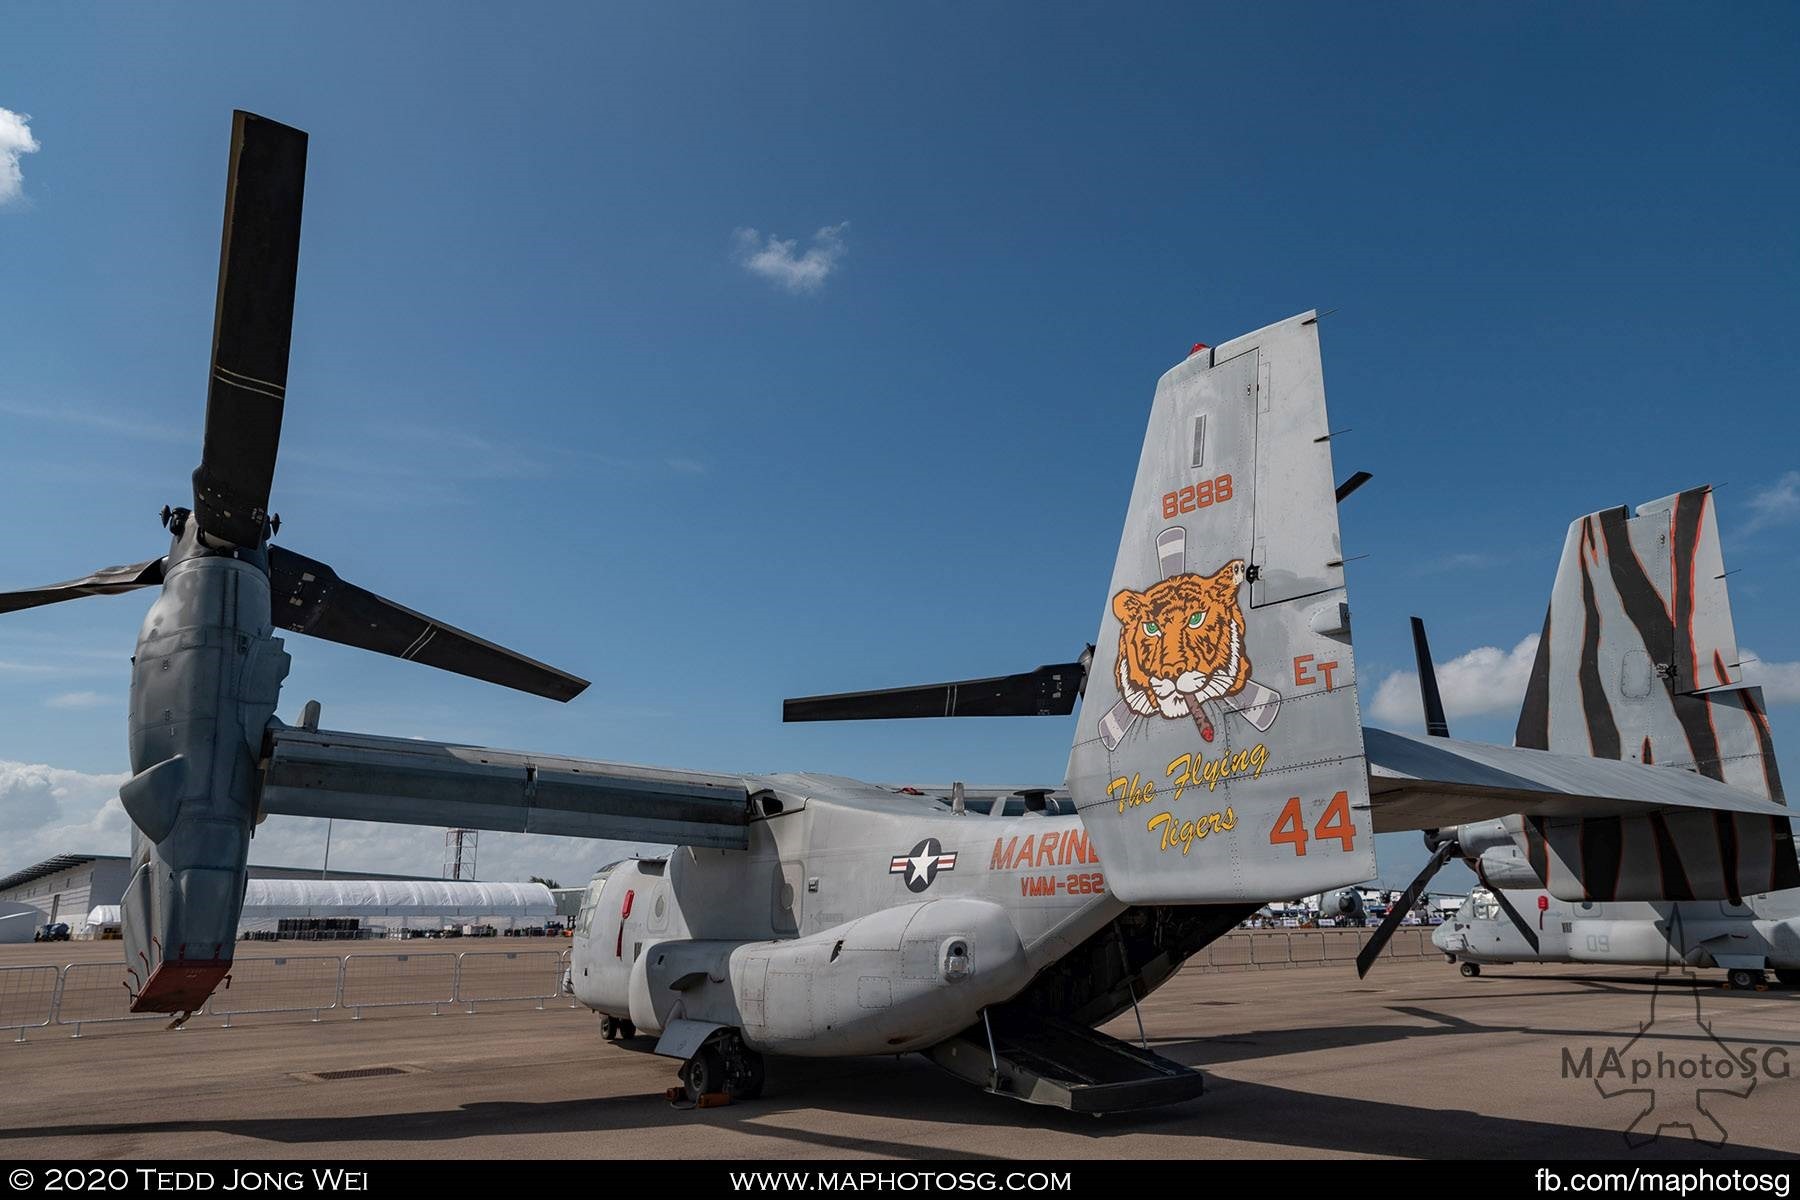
x: 1638, y: 659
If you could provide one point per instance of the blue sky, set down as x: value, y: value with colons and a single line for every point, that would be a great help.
x: 538, y: 389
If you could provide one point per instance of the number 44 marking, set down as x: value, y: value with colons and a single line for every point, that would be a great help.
x: 1334, y: 823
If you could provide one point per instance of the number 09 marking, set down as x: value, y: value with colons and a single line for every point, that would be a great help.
x: 1333, y: 824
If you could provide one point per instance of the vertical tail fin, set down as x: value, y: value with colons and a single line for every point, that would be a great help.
x: 1638, y: 659
x: 1219, y: 751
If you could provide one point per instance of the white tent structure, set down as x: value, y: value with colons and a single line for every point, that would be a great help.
x: 394, y: 904
x: 101, y: 921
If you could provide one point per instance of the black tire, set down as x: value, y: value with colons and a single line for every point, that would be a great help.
x: 1788, y: 975
x: 703, y: 1074
x: 609, y: 1027
x: 1471, y: 970
x: 627, y: 1029
x: 749, y: 1075
x: 1743, y: 979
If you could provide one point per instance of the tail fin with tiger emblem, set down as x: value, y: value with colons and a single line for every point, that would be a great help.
x: 1219, y: 751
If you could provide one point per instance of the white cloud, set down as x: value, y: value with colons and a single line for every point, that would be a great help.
x: 47, y: 810
x: 78, y: 700
x: 1485, y: 681
x: 15, y: 140
x: 1780, y: 681
x: 1777, y: 504
x: 779, y: 261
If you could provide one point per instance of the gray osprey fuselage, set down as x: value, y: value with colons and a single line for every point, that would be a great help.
x: 857, y: 920
x: 1747, y: 936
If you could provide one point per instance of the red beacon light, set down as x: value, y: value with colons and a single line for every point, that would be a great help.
x: 1198, y: 347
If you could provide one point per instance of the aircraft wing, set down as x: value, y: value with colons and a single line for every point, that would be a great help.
x: 355, y: 776
x: 1432, y: 782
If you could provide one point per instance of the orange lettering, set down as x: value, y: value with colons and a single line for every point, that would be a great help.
x: 1288, y: 831
x: 1301, y: 677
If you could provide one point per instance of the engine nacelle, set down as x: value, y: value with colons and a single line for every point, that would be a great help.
x: 1506, y: 867
x: 204, y: 684
x: 1492, y: 852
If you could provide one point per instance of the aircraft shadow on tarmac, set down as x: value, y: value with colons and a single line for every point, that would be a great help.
x: 918, y: 1101
x: 1305, y: 1039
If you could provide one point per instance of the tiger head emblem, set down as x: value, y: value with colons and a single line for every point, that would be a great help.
x: 1181, y: 644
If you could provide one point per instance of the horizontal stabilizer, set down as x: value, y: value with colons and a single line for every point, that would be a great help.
x: 1429, y: 782
x: 353, y: 776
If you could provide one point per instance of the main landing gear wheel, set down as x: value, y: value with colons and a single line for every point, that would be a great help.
x: 614, y: 1028
x: 1743, y: 979
x: 703, y: 1074
x: 724, y: 1065
x: 744, y: 1073
x: 1471, y: 970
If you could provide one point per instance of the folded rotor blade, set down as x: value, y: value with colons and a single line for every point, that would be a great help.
x: 1049, y: 691
x: 1351, y: 484
x: 308, y: 597
x: 1366, y: 957
x: 253, y: 320
x: 1516, y: 917
x: 1436, y: 724
x: 108, y: 581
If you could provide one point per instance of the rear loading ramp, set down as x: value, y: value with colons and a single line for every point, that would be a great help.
x: 1049, y: 1061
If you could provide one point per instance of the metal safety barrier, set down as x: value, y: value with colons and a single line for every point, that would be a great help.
x: 398, y: 981
x: 1264, y: 949
x: 79, y: 994
x: 294, y: 984
x: 511, y: 975
x: 28, y: 997
x: 96, y: 994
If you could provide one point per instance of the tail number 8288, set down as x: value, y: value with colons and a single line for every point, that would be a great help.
x: 1204, y: 494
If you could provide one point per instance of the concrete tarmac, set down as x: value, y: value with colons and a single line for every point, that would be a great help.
x: 1415, y: 1061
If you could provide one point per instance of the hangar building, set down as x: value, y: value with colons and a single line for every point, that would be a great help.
x: 69, y: 886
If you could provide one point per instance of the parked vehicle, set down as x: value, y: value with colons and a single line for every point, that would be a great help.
x: 56, y: 931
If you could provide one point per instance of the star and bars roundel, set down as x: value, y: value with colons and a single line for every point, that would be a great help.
x: 922, y: 866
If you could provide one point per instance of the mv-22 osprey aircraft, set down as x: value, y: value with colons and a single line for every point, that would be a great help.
x: 1745, y: 938
x: 1219, y: 760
